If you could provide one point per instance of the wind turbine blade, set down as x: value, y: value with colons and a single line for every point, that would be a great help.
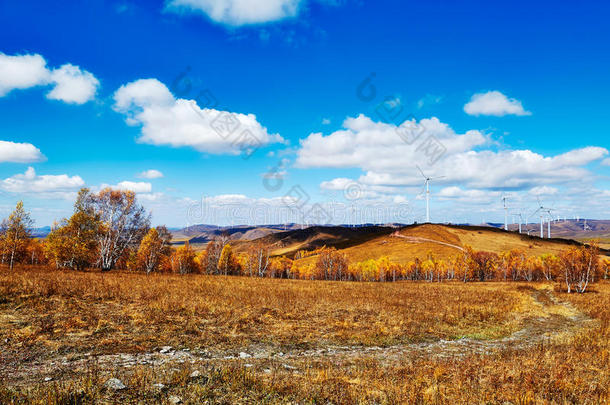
x: 421, y: 171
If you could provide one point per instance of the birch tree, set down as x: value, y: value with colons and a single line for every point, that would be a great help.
x: 154, y: 246
x: 123, y: 223
x: 15, y: 234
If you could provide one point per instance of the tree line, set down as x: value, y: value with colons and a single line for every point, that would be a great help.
x: 109, y: 230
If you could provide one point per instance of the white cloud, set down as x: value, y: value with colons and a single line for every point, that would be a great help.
x: 387, y: 161
x: 19, y: 152
x: 151, y: 197
x: 325, y: 121
x: 543, y: 190
x: 377, y: 146
x: 71, y: 83
x: 151, y: 174
x: 21, y: 72
x: 238, y: 12
x: 179, y: 122
x: 135, y: 186
x: 606, y: 162
x: 30, y: 182
x: 494, y: 103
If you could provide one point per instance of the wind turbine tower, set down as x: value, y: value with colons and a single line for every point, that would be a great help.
x: 427, y: 188
x: 505, y: 214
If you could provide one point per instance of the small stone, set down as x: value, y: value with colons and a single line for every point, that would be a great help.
x: 165, y: 349
x: 174, y: 400
x: 159, y: 386
x: 47, y: 379
x: 248, y: 365
x: 289, y: 367
x: 196, y: 374
x: 244, y: 355
x: 267, y: 371
x: 115, y: 384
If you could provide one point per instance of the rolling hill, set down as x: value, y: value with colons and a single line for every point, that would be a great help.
x: 405, y: 244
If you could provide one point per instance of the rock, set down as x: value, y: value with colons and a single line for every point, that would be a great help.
x: 267, y: 371
x: 115, y: 384
x: 244, y: 355
x: 165, y: 349
x: 159, y: 386
x: 47, y: 379
x: 289, y: 367
x: 174, y: 400
x: 248, y: 365
x: 195, y: 374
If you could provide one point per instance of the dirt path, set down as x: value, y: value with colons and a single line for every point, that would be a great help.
x: 548, y: 319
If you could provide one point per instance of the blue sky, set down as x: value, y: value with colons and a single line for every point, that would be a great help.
x: 513, y: 96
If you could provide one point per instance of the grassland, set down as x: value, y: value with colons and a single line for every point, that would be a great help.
x: 441, y: 241
x: 279, y: 341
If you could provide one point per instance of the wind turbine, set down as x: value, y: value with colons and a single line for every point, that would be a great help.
x: 542, y: 209
x: 505, y: 213
x: 427, y: 186
x: 518, y: 214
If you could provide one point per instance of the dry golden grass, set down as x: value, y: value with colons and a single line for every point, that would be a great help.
x: 68, y: 310
x: 48, y: 313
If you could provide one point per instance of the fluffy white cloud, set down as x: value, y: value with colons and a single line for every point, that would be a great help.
x: 71, y: 83
x: 21, y: 72
x: 151, y: 174
x: 135, y: 186
x: 30, y: 182
x: 19, y: 152
x: 179, y: 122
x: 388, y: 161
x: 606, y: 162
x: 494, y: 103
x: 378, y: 147
x: 238, y: 12
x: 468, y: 195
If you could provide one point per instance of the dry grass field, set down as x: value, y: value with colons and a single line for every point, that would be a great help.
x: 63, y: 334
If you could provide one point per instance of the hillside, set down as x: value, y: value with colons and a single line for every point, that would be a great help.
x: 200, y: 235
x: 289, y: 242
x: 572, y: 229
x: 407, y: 243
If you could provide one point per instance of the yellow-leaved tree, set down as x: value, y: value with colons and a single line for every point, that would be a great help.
x: 155, y: 246
x: 15, y: 235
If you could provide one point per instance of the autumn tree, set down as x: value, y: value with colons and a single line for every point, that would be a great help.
x: 154, y: 246
x: 280, y: 267
x: 550, y: 265
x: 227, y: 263
x: 606, y: 268
x: 74, y: 242
x: 257, y: 260
x: 183, y: 260
x: 35, y: 252
x: 15, y: 234
x: 123, y: 223
x: 580, y: 266
x: 331, y: 265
